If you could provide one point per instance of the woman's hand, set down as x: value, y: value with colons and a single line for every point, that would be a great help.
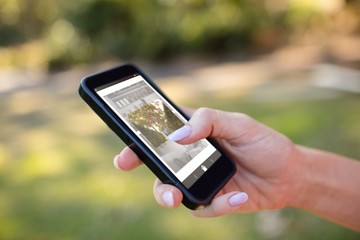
x: 267, y: 164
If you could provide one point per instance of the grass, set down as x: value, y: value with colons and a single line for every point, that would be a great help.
x: 57, y: 180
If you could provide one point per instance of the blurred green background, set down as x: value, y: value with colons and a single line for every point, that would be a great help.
x: 291, y: 64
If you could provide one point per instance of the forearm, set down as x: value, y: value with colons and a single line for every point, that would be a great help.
x: 329, y: 186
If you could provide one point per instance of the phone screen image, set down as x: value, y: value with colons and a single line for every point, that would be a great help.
x: 153, y: 119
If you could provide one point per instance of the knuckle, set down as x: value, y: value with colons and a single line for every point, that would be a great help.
x: 204, y: 112
x: 244, y: 117
x: 245, y: 120
x: 207, y: 114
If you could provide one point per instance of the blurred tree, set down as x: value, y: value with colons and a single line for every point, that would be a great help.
x: 87, y: 30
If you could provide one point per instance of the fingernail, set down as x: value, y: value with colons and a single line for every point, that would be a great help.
x: 168, y: 198
x: 238, y: 199
x: 116, y: 163
x: 180, y: 134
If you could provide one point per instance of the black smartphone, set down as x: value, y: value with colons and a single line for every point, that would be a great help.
x: 142, y: 116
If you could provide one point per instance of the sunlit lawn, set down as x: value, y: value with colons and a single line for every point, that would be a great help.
x: 58, y: 181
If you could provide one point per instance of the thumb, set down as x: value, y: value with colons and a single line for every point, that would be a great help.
x: 207, y: 122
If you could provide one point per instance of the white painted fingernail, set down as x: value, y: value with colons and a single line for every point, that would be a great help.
x: 168, y: 198
x: 238, y: 199
x: 116, y: 163
x: 181, y: 133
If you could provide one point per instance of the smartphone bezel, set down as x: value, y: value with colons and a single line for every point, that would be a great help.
x: 204, y: 189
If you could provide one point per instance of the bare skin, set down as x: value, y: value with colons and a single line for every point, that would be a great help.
x: 272, y: 172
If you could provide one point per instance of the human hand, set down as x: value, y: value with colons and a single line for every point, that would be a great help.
x: 267, y: 163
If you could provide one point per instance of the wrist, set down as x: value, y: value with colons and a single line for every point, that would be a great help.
x: 316, y: 181
x: 304, y: 181
x: 327, y: 186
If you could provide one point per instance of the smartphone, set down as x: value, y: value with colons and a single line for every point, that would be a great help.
x: 142, y: 116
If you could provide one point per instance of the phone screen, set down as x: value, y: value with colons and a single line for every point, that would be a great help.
x: 153, y: 119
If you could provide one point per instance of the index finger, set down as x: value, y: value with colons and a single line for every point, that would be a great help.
x: 127, y: 160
